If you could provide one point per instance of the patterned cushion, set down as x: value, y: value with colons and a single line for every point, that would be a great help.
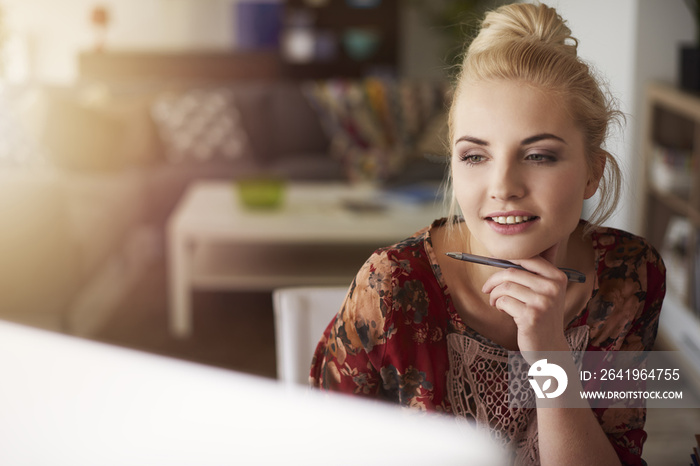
x: 376, y: 125
x: 200, y: 125
x: 376, y: 113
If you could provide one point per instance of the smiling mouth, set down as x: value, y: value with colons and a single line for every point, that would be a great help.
x: 512, y: 219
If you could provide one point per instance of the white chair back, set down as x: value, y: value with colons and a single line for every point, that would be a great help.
x: 301, y: 316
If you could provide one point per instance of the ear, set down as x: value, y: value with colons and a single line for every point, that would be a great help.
x: 596, y: 174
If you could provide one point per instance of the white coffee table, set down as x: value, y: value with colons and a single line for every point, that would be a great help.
x: 315, y: 239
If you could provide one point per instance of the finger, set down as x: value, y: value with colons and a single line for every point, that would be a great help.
x: 510, y: 306
x: 526, y: 278
x: 513, y: 290
x: 541, y: 266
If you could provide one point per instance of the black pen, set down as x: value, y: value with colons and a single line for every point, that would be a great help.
x: 571, y: 274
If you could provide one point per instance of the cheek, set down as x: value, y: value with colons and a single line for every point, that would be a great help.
x: 568, y: 204
x: 569, y: 185
x: 465, y: 191
x: 569, y: 207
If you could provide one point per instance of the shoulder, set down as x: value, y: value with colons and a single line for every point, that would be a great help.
x: 625, y: 252
x: 400, y: 258
x: 625, y: 309
x: 380, y: 282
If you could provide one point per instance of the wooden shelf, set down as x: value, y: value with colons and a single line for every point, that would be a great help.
x: 673, y: 98
x: 678, y: 205
x: 336, y: 17
x: 195, y: 65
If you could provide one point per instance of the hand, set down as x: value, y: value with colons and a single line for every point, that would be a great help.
x: 534, y: 299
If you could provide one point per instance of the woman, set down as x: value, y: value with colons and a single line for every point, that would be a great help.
x: 527, y: 126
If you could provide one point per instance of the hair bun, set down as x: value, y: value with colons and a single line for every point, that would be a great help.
x: 524, y: 22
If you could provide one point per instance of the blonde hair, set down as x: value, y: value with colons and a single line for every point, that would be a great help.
x: 531, y: 43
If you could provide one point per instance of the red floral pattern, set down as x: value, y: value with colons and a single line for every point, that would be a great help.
x: 389, y: 339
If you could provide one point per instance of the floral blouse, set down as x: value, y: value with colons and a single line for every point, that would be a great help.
x: 389, y: 340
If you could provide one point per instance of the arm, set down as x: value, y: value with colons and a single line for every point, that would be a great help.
x: 535, y: 299
x: 580, y: 435
x: 348, y: 357
x: 571, y: 436
x: 625, y: 427
x: 565, y: 431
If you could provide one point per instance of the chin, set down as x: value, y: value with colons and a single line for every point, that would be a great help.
x: 516, y: 251
x: 509, y: 256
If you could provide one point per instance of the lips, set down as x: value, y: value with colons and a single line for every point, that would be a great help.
x: 511, y: 217
x: 511, y: 222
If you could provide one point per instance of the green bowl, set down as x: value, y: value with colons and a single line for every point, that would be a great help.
x: 261, y: 193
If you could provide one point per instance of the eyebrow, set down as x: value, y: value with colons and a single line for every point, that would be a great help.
x: 540, y: 137
x: 524, y: 142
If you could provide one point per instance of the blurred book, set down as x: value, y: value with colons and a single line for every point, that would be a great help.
x: 675, y: 252
x: 695, y: 456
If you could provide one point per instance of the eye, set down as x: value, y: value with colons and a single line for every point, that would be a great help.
x: 541, y: 158
x: 472, y: 159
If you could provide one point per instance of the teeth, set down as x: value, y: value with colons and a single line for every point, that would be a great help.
x: 511, y: 220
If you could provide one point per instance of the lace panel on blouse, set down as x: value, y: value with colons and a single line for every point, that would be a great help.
x: 477, y: 384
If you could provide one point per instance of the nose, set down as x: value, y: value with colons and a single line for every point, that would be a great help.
x: 506, y: 182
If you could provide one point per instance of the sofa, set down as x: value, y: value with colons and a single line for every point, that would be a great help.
x: 102, y: 167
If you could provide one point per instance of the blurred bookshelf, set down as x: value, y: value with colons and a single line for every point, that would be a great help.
x: 309, y: 40
x: 670, y: 215
x: 347, y: 38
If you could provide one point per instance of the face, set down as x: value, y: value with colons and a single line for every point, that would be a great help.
x: 519, y: 169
